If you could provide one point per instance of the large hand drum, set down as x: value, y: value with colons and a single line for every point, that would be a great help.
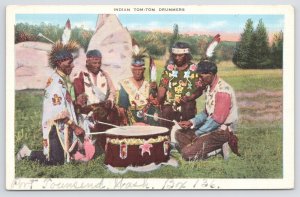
x: 137, y: 146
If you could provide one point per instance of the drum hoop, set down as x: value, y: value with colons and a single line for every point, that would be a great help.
x: 136, y: 141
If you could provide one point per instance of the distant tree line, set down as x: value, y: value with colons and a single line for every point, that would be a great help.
x: 158, y: 44
x: 254, y: 51
x: 26, y: 32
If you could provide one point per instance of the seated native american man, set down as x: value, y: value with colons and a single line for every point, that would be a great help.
x: 213, y: 128
x: 177, y: 92
x: 95, y: 94
x: 137, y: 97
x: 62, y: 137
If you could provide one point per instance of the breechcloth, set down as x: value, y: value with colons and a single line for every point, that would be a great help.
x: 56, y: 152
x: 194, y: 147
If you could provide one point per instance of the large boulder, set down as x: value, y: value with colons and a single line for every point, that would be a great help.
x: 110, y: 37
x: 115, y: 43
x: 31, y: 64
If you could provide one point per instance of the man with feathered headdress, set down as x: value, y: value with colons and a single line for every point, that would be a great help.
x: 135, y: 96
x: 61, y: 133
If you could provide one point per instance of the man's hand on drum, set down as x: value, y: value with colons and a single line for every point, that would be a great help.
x: 185, y: 124
x: 109, y: 104
x: 81, y: 100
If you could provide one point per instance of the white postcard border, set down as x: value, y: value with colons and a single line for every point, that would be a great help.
x: 286, y: 182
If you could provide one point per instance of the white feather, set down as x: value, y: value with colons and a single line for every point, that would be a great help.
x: 66, y: 36
x: 211, y: 48
x: 135, y: 49
x: 153, y: 74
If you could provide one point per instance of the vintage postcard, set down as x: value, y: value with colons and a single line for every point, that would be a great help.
x: 144, y: 97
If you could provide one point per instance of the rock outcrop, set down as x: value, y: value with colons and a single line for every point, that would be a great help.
x: 115, y: 44
x: 110, y: 37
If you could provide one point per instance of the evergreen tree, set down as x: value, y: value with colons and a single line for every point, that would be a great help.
x: 243, y: 52
x: 253, y: 50
x: 277, y: 50
x: 260, y: 51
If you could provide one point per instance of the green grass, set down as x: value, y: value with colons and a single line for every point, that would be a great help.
x: 261, y: 150
x: 28, y: 118
x: 260, y: 141
x: 250, y: 79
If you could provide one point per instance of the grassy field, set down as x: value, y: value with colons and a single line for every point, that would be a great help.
x: 259, y: 95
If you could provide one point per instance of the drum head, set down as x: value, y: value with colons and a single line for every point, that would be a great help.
x: 137, y: 130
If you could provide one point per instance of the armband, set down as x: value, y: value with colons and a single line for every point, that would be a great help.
x: 70, y: 122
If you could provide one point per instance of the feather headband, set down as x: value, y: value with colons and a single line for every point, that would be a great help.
x: 138, y: 56
x: 61, y: 52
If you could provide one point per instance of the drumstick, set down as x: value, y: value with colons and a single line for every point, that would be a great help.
x: 158, y: 117
x: 97, y: 133
x: 104, y: 132
x: 113, y: 125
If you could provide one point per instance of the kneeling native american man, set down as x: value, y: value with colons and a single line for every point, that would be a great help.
x: 63, y: 139
x: 95, y: 94
x: 213, y: 128
x: 137, y: 97
x: 177, y: 93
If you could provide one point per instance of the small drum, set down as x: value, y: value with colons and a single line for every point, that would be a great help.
x: 137, y: 146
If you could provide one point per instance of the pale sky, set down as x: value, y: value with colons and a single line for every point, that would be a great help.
x: 188, y: 23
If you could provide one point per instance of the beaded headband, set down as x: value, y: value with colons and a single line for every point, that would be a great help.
x: 180, y: 51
